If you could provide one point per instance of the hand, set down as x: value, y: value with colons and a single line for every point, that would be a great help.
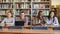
x: 51, y: 25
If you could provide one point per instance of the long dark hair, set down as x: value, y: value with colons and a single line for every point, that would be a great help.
x: 50, y: 16
x: 39, y: 14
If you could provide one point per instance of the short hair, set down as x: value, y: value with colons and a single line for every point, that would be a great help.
x: 21, y: 12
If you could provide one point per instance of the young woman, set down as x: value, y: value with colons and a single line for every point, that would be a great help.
x: 9, y: 20
x: 40, y: 20
x: 52, y: 19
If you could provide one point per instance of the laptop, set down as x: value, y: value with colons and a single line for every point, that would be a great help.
x: 19, y: 23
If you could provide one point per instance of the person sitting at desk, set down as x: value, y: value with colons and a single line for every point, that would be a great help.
x: 40, y: 19
x: 21, y: 20
x: 9, y: 20
x: 52, y: 20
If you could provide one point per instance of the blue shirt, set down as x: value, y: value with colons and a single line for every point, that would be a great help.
x: 55, y: 22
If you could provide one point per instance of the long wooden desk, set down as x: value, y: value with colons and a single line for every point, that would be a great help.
x: 25, y: 31
x: 29, y: 31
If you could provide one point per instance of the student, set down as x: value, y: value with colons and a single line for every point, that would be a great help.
x: 40, y: 19
x: 52, y: 19
x: 22, y: 20
x: 9, y: 20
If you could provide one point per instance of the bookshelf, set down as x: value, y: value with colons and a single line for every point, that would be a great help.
x: 29, y: 7
x: 5, y: 5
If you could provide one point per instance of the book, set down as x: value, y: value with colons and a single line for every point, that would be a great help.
x: 22, y: 0
x: 3, y: 1
x: 16, y: 1
x: 8, y: 6
x: 47, y: 6
x: 0, y: 18
x: 26, y: 0
x: 42, y: 6
x: 22, y: 5
x: 17, y: 12
x: 5, y: 6
x: 11, y: 0
x: 45, y: 12
x: 11, y: 6
x: 17, y: 6
x: 42, y: 0
x: 26, y: 5
x: 35, y: 6
x: 2, y: 12
x: 34, y: 12
x: 26, y: 12
x: 7, y: 0
x: 0, y: 5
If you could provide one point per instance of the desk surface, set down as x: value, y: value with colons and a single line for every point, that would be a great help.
x: 29, y: 31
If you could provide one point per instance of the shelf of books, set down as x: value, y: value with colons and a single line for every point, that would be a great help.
x: 5, y: 5
x: 29, y: 7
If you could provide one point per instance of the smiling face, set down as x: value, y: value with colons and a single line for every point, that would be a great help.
x: 9, y: 15
x: 22, y: 15
x: 40, y: 13
x: 52, y: 14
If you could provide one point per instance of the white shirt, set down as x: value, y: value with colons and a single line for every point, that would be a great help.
x: 9, y: 21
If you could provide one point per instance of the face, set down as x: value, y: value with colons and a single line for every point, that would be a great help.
x: 22, y: 15
x: 40, y: 13
x: 9, y: 14
x: 52, y: 14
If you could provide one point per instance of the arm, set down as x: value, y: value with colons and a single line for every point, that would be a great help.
x: 26, y: 21
x: 2, y: 23
x: 56, y: 23
x: 48, y: 21
x: 13, y: 21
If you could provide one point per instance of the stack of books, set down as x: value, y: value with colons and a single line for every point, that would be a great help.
x: 22, y: 6
x: 5, y: 6
x: 46, y: 6
x: 46, y: 12
x: 35, y: 6
x: 42, y: 6
x: 26, y: 5
x: 2, y: 12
